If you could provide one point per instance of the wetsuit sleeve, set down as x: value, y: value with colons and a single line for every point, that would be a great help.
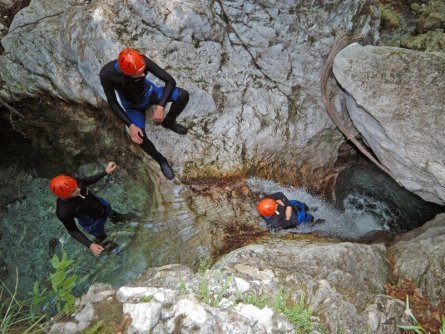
x: 93, y: 179
x: 107, y: 85
x: 280, y: 196
x: 279, y: 221
x: 162, y: 74
x: 72, y: 229
x: 275, y: 221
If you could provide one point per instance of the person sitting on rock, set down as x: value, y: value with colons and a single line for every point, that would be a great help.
x: 281, y: 213
x: 127, y: 77
x: 75, y: 200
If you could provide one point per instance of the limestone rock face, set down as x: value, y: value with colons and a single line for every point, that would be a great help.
x: 419, y: 256
x: 252, y: 69
x: 397, y: 102
x: 342, y: 283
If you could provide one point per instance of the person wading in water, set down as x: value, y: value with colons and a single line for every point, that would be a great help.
x: 75, y: 200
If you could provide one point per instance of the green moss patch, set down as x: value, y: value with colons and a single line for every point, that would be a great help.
x: 432, y: 16
x: 390, y: 17
x: 432, y: 41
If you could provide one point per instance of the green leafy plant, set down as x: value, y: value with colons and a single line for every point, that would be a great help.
x: 297, y: 313
x: 203, y: 266
x: 212, y: 298
x: 182, y: 287
x: 146, y: 299
x: 38, y: 296
x: 62, y: 283
x: 203, y: 290
x: 95, y: 329
x: 259, y: 301
x: 416, y: 326
x: 17, y: 315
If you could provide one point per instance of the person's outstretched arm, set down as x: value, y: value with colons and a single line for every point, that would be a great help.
x: 72, y: 229
x: 111, y: 166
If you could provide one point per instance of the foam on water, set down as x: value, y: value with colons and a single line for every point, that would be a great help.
x: 352, y: 223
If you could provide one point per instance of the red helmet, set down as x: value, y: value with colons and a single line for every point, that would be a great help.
x: 130, y: 61
x: 63, y: 186
x: 267, y: 207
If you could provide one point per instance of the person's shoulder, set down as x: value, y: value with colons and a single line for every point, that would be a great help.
x: 108, y: 68
x: 64, y: 208
x: 149, y: 63
x: 146, y: 58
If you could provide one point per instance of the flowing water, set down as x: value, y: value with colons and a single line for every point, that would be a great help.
x: 340, y: 224
x: 177, y: 231
x: 368, y: 195
x: 366, y: 201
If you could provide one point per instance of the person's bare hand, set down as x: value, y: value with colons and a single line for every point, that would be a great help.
x: 136, y: 134
x: 158, y: 115
x: 110, y: 167
x: 96, y: 249
x: 279, y: 201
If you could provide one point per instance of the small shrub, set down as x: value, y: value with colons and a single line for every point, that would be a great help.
x: 203, y: 290
x: 297, y: 313
x: 182, y: 287
x: 63, y: 284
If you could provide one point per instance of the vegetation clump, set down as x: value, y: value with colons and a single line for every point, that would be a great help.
x: 390, y: 17
x: 432, y: 16
x: 297, y: 313
x: 431, y: 41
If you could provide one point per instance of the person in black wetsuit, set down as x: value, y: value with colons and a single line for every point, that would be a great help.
x: 126, y: 77
x: 75, y: 200
x: 279, y: 212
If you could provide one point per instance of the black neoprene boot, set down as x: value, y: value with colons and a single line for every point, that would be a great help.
x: 117, y: 217
x: 175, y: 127
x: 167, y: 170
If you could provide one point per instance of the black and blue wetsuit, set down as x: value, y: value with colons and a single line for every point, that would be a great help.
x: 90, y: 210
x: 137, y: 94
x: 298, y: 213
x: 278, y: 219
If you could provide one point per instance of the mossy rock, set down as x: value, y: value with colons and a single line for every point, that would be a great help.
x: 390, y: 17
x: 432, y: 16
x: 432, y: 41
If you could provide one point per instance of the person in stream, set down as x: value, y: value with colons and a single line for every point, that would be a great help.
x: 75, y: 200
x: 281, y: 213
x: 126, y: 76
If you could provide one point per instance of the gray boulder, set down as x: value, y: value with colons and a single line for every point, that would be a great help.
x: 342, y: 282
x: 419, y: 256
x: 396, y: 99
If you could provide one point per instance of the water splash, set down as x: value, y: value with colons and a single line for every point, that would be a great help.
x: 351, y: 223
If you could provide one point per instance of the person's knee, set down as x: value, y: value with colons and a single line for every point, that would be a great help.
x: 183, y: 95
